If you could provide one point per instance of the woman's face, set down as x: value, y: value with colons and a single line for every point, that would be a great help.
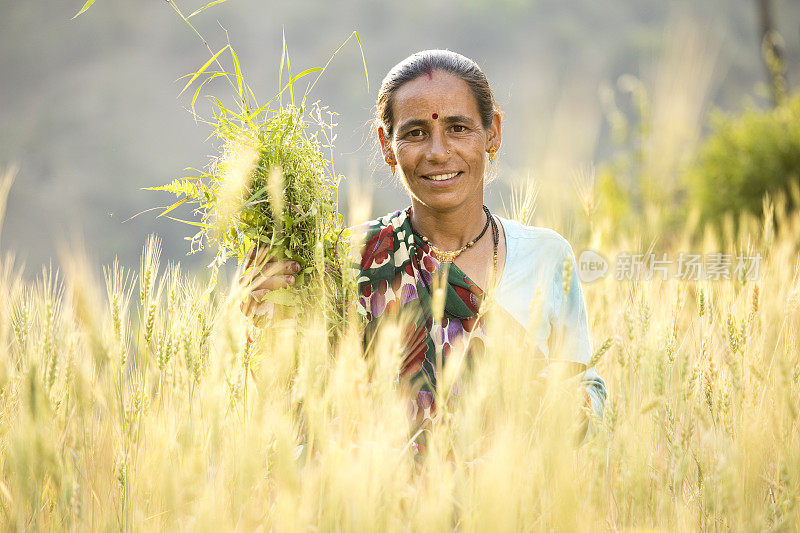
x: 439, y: 143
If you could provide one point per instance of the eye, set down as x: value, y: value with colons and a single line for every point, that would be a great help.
x: 459, y: 128
x: 415, y: 133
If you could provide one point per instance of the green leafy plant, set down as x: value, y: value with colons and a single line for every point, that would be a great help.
x: 273, y: 184
x: 746, y: 157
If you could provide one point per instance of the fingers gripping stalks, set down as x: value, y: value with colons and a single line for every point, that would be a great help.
x: 261, y: 274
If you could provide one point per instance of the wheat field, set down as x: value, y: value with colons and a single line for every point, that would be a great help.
x: 141, y: 402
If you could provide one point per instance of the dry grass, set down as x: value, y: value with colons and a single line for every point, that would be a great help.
x: 142, y: 406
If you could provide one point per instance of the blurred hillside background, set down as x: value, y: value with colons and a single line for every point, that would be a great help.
x: 89, y: 106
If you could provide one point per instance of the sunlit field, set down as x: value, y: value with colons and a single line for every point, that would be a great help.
x: 139, y: 402
x: 144, y: 399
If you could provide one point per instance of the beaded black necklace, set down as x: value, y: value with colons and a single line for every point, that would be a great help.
x: 447, y: 256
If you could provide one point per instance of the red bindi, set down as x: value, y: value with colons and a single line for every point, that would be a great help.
x: 435, y: 116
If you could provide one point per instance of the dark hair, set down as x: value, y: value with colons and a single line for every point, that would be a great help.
x: 424, y: 63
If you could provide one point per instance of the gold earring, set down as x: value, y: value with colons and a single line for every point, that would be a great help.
x: 391, y: 165
x: 492, y: 153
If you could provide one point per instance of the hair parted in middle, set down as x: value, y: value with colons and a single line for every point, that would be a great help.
x: 425, y: 63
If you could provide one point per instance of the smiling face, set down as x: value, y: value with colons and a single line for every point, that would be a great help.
x: 439, y: 143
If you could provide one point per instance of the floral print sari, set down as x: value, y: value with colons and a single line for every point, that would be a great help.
x: 397, y: 279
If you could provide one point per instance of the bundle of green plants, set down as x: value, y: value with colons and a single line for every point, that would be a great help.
x: 274, y: 185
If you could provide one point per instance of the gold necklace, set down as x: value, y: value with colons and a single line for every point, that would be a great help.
x: 447, y: 256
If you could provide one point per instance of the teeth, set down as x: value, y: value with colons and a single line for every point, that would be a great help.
x: 442, y: 177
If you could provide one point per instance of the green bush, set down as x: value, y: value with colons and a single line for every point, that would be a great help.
x: 745, y: 157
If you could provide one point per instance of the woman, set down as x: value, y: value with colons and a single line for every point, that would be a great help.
x: 438, y: 123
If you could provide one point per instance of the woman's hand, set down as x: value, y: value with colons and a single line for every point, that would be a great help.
x: 260, y: 275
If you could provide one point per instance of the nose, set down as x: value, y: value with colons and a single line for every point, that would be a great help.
x: 437, y: 147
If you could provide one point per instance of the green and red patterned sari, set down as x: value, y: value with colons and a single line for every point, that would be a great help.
x: 396, y: 280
